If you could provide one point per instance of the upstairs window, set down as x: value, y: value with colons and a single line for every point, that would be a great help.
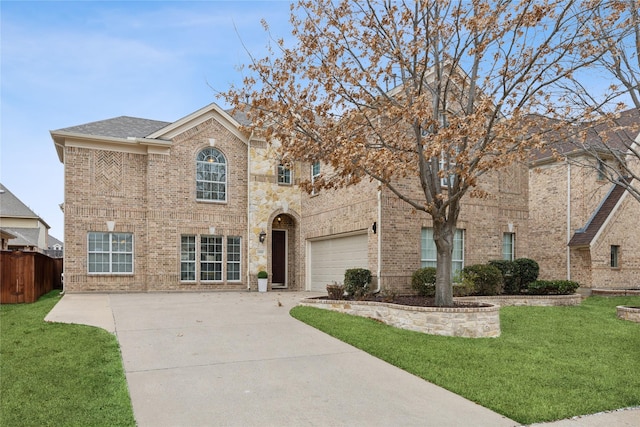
x: 284, y: 175
x: 211, y: 176
x: 315, y: 174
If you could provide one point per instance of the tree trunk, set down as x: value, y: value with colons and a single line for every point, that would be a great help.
x: 443, y: 237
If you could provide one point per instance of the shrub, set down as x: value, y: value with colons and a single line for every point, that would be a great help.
x: 464, y: 288
x: 510, y: 275
x: 527, y: 270
x: 423, y: 281
x: 335, y: 291
x: 552, y: 287
x: 262, y: 274
x: 486, y: 279
x: 356, y: 281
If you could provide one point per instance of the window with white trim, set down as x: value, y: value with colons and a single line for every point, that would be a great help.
x: 448, y: 163
x: 509, y: 246
x: 211, y: 258
x: 429, y: 252
x: 315, y: 174
x: 284, y: 174
x: 110, y: 253
x: 211, y: 175
x: 188, y: 258
x: 233, y: 258
x: 204, y: 259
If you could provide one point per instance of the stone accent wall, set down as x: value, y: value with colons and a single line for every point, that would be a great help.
x: 471, y: 322
x: 267, y: 200
x: 631, y: 314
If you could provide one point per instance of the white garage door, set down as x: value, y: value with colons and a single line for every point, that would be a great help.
x: 330, y: 258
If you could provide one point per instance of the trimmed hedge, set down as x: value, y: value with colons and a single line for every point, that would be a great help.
x: 528, y: 271
x: 510, y: 275
x: 423, y: 281
x: 552, y: 287
x: 356, y: 281
x: 486, y: 279
x: 517, y: 274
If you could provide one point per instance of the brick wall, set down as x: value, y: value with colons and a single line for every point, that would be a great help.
x: 153, y: 197
x: 334, y: 212
x: 549, y: 193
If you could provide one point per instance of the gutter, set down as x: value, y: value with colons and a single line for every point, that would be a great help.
x: 568, y: 220
x: 248, y: 273
x: 379, y: 230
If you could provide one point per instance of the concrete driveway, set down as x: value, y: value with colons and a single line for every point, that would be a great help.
x: 240, y: 359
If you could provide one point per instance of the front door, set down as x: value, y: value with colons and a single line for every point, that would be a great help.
x: 278, y: 258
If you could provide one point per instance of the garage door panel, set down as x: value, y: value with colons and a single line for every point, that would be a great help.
x: 330, y: 258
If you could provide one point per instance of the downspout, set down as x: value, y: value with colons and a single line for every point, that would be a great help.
x: 379, y: 231
x: 568, y: 220
x: 248, y: 273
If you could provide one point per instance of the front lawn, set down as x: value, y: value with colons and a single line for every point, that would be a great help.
x: 549, y: 363
x: 56, y: 374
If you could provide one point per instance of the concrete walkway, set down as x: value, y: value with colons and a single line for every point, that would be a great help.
x: 240, y: 359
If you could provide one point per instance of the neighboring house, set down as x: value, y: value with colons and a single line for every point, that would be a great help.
x: 29, y: 231
x: 583, y: 227
x: 197, y: 204
x: 56, y: 248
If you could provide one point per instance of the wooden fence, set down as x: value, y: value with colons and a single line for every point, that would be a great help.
x: 26, y: 276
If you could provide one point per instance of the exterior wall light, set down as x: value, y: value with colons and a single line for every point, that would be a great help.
x: 262, y: 236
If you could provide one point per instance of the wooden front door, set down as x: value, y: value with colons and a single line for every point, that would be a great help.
x: 278, y: 258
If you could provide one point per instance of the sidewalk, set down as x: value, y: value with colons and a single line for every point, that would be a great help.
x: 240, y: 359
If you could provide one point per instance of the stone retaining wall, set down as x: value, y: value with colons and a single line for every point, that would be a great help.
x: 616, y: 292
x: 628, y: 313
x: 529, y: 300
x: 470, y: 322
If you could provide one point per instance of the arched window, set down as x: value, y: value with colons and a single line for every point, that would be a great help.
x: 211, y: 175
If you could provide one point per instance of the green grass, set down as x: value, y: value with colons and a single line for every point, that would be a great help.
x: 549, y: 363
x: 55, y: 374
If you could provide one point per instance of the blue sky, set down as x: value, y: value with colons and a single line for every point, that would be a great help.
x: 65, y: 63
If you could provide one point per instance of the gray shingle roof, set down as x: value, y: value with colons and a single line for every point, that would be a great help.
x: 24, y: 236
x: 11, y: 206
x: 598, y: 137
x: 118, y: 127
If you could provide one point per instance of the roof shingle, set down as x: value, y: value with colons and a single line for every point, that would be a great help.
x: 118, y: 127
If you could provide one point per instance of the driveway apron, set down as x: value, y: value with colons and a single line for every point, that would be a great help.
x: 240, y: 359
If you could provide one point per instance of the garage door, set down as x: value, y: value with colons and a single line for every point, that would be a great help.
x: 330, y: 258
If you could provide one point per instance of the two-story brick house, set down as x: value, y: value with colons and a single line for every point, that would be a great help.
x: 198, y: 204
x: 583, y: 227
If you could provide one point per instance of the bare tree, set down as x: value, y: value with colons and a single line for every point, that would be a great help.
x: 609, y: 144
x: 469, y: 74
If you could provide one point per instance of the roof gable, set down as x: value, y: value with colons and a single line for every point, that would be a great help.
x: 196, y: 118
x: 12, y: 207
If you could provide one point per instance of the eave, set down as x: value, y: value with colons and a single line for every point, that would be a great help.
x: 133, y: 145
